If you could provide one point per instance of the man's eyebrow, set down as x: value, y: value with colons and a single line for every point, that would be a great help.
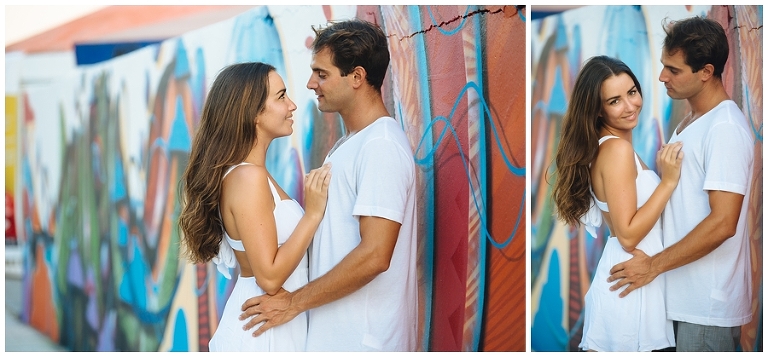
x: 668, y: 66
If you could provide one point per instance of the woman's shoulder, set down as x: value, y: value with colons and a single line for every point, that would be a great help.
x: 246, y: 185
x: 246, y: 174
x: 615, y: 150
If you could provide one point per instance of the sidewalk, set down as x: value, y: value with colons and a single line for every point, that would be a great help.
x: 20, y: 337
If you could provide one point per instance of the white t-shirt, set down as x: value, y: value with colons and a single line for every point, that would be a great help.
x: 715, y: 290
x: 373, y: 174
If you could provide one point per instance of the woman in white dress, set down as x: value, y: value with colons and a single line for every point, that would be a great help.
x: 235, y: 213
x: 599, y: 177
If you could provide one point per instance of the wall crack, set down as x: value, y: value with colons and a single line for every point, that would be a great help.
x: 749, y: 29
x: 459, y: 18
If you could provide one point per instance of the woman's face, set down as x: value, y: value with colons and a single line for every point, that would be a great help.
x: 621, y: 103
x: 277, y: 118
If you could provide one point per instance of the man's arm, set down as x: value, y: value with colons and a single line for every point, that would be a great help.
x: 709, y: 234
x: 366, y: 261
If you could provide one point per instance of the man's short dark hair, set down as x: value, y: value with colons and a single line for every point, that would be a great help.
x: 702, y: 41
x: 355, y: 43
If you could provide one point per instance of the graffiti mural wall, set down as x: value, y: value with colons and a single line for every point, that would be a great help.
x: 563, y: 258
x: 103, y: 151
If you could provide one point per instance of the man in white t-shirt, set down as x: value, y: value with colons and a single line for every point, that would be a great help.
x: 362, y: 294
x: 706, y: 256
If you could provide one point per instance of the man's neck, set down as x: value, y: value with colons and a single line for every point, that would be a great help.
x: 708, y: 98
x: 363, y: 112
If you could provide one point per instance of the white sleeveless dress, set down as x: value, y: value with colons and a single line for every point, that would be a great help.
x: 638, y: 321
x: 229, y: 335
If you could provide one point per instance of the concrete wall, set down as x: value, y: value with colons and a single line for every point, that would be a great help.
x: 563, y: 258
x: 102, y: 152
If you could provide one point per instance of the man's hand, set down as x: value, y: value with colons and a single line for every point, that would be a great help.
x: 272, y: 310
x: 635, y: 272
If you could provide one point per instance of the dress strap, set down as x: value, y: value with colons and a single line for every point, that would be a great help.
x: 593, y: 218
x: 235, y: 244
x: 275, y: 195
x: 603, y: 206
x: 604, y: 138
x: 638, y: 164
x: 234, y: 167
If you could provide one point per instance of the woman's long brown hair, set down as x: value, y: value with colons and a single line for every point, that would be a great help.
x: 225, y: 136
x: 579, y: 136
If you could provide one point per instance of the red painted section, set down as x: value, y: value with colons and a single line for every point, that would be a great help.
x: 10, y: 219
x: 504, y: 317
x: 445, y: 60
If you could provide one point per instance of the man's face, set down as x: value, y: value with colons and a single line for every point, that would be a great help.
x: 678, y: 77
x: 331, y: 88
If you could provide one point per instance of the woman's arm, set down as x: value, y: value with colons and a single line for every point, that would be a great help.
x: 618, y: 172
x: 251, y: 205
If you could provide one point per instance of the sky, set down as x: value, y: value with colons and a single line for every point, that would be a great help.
x: 24, y: 21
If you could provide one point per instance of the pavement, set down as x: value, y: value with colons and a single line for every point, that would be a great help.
x: 20, y: 337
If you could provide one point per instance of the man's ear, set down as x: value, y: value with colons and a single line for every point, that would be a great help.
x: 707, y: 72
x: 358, y: 76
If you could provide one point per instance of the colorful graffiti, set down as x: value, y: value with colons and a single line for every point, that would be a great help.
x: 103, y: 152
x: 563, y: 258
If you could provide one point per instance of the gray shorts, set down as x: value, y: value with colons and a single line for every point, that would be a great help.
x: 699, y: 338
